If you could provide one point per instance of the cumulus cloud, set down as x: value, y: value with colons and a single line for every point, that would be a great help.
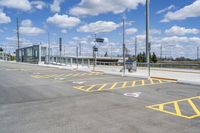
x: 131, y: 31
x: 4, y: 18
x: 63, y: 21
x: 165, y: 9
x: 96, y: 7
x: 26, y: 28
x: 23, y: 5
x: 177, y: 30
x: 98, y: 27
x: 38, y: 4
x: 55, y: 7
x: 188, y: 11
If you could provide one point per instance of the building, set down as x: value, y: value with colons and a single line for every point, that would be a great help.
x: 32, y: 54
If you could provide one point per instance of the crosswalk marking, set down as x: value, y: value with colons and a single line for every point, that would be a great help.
x: 120, y: 85
x: 178, y: 108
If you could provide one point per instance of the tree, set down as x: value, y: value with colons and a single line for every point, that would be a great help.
x: 1, y: 49
x: 154, y: 58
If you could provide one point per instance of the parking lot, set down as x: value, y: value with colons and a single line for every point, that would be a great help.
x: 36, y: 99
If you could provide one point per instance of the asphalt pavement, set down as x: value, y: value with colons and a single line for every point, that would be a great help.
x: 37, y: 99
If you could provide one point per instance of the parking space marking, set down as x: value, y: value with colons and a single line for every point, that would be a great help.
x: 65, y: 75
x: 120, y: 85
x: 177, y: 108
x: 28, y: 69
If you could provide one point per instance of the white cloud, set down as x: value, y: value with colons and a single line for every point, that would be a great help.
x: 26, y: 28
x: 63, y: 31
x: 188, y: 11
x: 38, y: 4
x: 4, y: 18
x: 63, y: 21
x: 176, y: 30
x: 155, y: 31
x: 55, y: 7
x: 166, y: 9
x: 131, y: 31
x: 99, y: 26
x: 1, y: 31
x: 96, y: 7
x: 16, y: 4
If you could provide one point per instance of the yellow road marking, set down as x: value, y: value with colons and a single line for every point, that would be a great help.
x: 161, y: 107
x: 91, y: 87
x: 177, y: 109
x: 151, y: 81
x: 102, y: 87
x: 194, y: 107
x: 113, y: 86
x: 124, y: 84
x: 142, y: 82
x: 160, y: 81
x: 133, y: 83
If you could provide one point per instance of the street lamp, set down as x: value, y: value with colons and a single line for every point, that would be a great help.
x: 147, y: 38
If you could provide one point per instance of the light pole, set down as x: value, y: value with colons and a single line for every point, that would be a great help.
x: 197, y: 53
x: 147, y: 38
x: 123, y: 47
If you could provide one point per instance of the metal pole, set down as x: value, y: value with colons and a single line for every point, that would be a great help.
x: 161, y: 52
x: 48, y: 49
x: 77, y: 56
x: 136, y: 52
x: 94, y: 53
x: 123, y: 47
x: 17, y: 33
x: 80, y: 49
x: 147, y: 38
x: 197, y: 53
x: 60, y: 47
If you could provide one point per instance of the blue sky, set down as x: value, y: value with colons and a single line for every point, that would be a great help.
x: 174, y: 24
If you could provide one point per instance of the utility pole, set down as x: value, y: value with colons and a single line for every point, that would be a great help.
x: 17, y: 33
x: 48, y: 49
x: 94, y: 52
x: 136, y: 49
x: 77, y: 56
x: 147, y: 38
x: 123, y: 46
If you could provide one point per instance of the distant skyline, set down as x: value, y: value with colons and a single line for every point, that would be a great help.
x: 174, y: 24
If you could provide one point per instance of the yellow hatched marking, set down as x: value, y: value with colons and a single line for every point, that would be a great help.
x: 102, y: 87
x: 91, y: 87
x: 160, y: 107
x: 113, y: 86
x: 124, y: 84
x: 67, y: 75
x: 177, y: 109
x: 133, y: 83
x: 194, y: 107
x: 151, y: 81
x: 142, y: 82
x: 160, y: 81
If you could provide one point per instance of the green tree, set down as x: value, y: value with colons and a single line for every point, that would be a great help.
x: 154, y: 58
x: 1, y: 49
